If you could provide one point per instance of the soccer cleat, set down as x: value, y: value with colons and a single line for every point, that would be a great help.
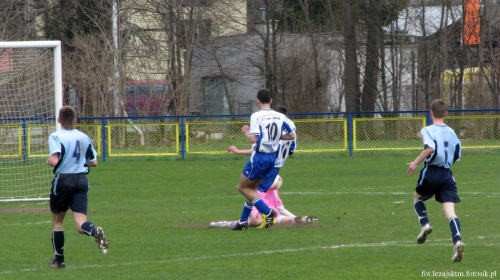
x: 309, y: 219
x: 57, y: 265
x: 240, y: 226
x: 269, y: 218
x: 101, y: 240
x: 216, y: 224
x: 458, y: 251
x: 263, y: 225
x: 422, y: 236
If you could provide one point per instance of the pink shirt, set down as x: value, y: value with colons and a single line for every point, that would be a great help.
x: 272, y: 199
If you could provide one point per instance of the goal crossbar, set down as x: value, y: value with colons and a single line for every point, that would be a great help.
x: 56, y: 45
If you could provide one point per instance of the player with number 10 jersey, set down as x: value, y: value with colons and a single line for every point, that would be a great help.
x: 269, y: 125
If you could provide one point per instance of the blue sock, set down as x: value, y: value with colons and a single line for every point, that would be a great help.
x: 455, y: 229
x: 247, y: 209
x: 421, y: 212
x: 58, y: 244
x: 88, y: 228
x: 261, y: 206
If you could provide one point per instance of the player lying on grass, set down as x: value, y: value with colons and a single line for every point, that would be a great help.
x: 273, y: 200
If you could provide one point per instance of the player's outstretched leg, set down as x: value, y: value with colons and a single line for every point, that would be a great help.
x: 240, y: 226
x: 308, y: 219
x: 101, y: 240
x: 218, y: 224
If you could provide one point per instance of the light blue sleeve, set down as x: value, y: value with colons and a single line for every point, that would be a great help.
x: 54, y: 145
x: 428, y: 138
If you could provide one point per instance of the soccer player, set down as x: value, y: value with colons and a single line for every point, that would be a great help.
x: 273, y: 200
x: 266, y: 129
x: 71, y: 155
x: 286, y: 148
x: 442, y: 149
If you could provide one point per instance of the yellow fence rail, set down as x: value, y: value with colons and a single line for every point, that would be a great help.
x: 320, y: 134
x: 143, y: 139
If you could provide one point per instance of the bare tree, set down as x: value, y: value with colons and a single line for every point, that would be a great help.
x: 19, y: 19
x: 489, y: 53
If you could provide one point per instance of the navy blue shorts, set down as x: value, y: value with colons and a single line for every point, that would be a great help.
x: 69, y: 191
x: 438, y: 181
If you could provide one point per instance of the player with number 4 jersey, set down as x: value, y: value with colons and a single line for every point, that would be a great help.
x: 71, y: 155
x: 442, y: 149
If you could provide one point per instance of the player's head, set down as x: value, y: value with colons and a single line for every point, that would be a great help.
x: 67, y: 116
x: 264, y: 96
x: 439, y: 108
x: 283, y: 110
x: 277, y: 183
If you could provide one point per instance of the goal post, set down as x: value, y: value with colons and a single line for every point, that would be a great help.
x: 31, y: 95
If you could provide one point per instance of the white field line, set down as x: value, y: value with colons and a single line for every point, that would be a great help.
x: 407, y: 243
x: 29, y: 223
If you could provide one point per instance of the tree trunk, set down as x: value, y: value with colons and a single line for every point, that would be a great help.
x: 351, y: 70
x: 369, y: 93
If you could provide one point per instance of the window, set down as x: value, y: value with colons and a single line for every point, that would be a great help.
x: 263, y: 14
x: 147, y: 98
x: 213, y: 95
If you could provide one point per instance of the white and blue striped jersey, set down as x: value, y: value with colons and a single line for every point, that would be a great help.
x: 268, y: 125
x: 75, y: 149
x: 446, y: 145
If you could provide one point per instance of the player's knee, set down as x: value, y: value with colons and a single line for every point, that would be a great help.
x: 416, y: 197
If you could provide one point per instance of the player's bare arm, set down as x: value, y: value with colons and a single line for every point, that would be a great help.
x: 237, y: 151
x: 246, y: 130
x: 412, y: 166
x: 53, y: 160
x: 290, y: 136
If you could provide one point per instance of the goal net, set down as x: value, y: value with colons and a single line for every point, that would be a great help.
x: 30, y: 98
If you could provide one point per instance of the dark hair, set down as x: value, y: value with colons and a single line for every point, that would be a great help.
x: 283, y: 110
x: 439, y: 108
x: 67, y: 115
x: 264, y: 96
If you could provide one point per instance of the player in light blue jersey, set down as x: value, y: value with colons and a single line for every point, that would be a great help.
x: 442, y: 149
x: 71, y: 155
x: 267, y: 128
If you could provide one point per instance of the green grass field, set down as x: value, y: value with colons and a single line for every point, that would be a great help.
x: 156, y: 211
